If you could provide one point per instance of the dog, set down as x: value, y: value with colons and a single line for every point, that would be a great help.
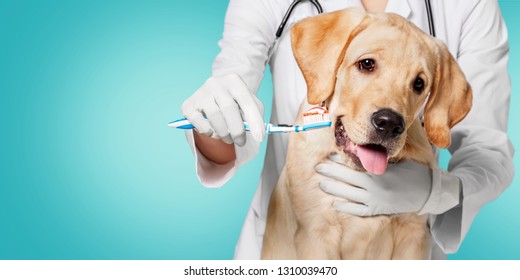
x: 376, y: 73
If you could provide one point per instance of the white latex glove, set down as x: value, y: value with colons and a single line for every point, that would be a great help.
x: 405, y: 187
x: 219, y: 108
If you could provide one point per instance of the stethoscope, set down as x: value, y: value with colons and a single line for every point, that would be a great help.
x: 320, y: 10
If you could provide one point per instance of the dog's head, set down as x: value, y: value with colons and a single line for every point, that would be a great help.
x: 375, y: 72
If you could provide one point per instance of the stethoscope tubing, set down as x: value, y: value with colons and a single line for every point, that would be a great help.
x: 289, y: 12
x: 318, y: 7
x: 431, y: 24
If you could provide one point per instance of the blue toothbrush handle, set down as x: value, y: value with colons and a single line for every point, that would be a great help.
x: 181, y: 124
x: 185, y: 124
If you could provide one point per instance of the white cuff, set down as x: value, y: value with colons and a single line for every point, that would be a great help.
x: 212, y: 175
x: 445, y: 193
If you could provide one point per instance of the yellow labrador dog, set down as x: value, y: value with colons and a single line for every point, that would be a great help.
x: 374, y: 72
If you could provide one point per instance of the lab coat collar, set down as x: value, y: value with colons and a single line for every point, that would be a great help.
x: 400, y: 7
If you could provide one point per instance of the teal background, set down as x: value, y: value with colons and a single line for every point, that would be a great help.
x: 89, y: 169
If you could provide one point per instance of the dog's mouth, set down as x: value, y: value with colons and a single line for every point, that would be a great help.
x: 371, y: 157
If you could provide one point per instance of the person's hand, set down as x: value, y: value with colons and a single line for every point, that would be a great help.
x: 404, y: 188
x: 219, y: 108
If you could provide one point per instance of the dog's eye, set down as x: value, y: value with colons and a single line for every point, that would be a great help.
x: 418, y: 85
x: 366, y: 65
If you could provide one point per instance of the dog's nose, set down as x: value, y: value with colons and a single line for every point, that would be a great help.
x: 388, y: 124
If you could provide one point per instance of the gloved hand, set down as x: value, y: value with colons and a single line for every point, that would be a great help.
x: 219, y: 108
x: 405, y: 187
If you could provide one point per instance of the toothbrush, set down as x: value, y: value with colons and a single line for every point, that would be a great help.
x: 314, y: 118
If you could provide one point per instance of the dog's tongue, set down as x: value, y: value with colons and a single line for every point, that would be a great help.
x: 373, y: 160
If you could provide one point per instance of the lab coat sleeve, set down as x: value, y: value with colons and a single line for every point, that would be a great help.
x: 482, y: 153
x: 249, y: 34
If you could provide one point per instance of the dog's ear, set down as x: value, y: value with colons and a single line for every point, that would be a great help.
x: 450, y: 98
x: 319, y: 44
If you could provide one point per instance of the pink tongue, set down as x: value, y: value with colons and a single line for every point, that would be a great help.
x: 374, y: 161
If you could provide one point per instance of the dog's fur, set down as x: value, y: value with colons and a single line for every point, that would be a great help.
x: 302, y: 224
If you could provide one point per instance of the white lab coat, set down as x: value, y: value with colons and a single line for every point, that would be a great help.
x: 482, y: 153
